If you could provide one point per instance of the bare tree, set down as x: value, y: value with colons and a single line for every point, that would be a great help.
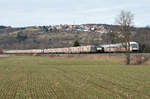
x: 125, y: 22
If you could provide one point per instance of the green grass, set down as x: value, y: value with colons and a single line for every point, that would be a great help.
x: 29, y: 77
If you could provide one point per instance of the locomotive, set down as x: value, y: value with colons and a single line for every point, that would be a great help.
x: 121, y: 47
x: 134, y: 46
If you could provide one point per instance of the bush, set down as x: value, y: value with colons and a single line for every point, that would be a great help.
x: 76, y: 43
x: 139, y: 59
x: 144, y: 48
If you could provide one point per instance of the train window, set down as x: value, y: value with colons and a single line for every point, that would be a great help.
x: 134, y: 45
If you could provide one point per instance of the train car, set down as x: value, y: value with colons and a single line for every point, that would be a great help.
x: 29, y: 51
x: 37, y: 51
x: 11, y: 51
x: 79, y: 49
x: 46, y: 51
x: 83, y: 49
x: 120, y: 47
x: 56, y: 50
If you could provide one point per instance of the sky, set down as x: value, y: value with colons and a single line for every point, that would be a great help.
x: 22, y: 13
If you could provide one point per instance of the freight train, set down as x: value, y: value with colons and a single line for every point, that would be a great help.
x: 134, y: 46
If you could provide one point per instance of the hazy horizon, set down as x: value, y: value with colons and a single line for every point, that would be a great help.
x: 23, y: 13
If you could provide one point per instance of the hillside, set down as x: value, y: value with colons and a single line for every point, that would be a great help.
x: 38, y: 38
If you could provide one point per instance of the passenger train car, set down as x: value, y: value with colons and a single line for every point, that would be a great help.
x: 134, y: 46
x: 121, y: 47
x: 80, y: 49
x: 29, y: 51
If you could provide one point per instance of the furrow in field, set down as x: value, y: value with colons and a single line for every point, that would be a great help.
x: 9, y: 88
x: 55, y: 93
x: 116, y: 84
x: 48, y: 84
x: 93, y: 83
x: 41, y: 86
x: 73, y: 84
x: 107, y: 89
